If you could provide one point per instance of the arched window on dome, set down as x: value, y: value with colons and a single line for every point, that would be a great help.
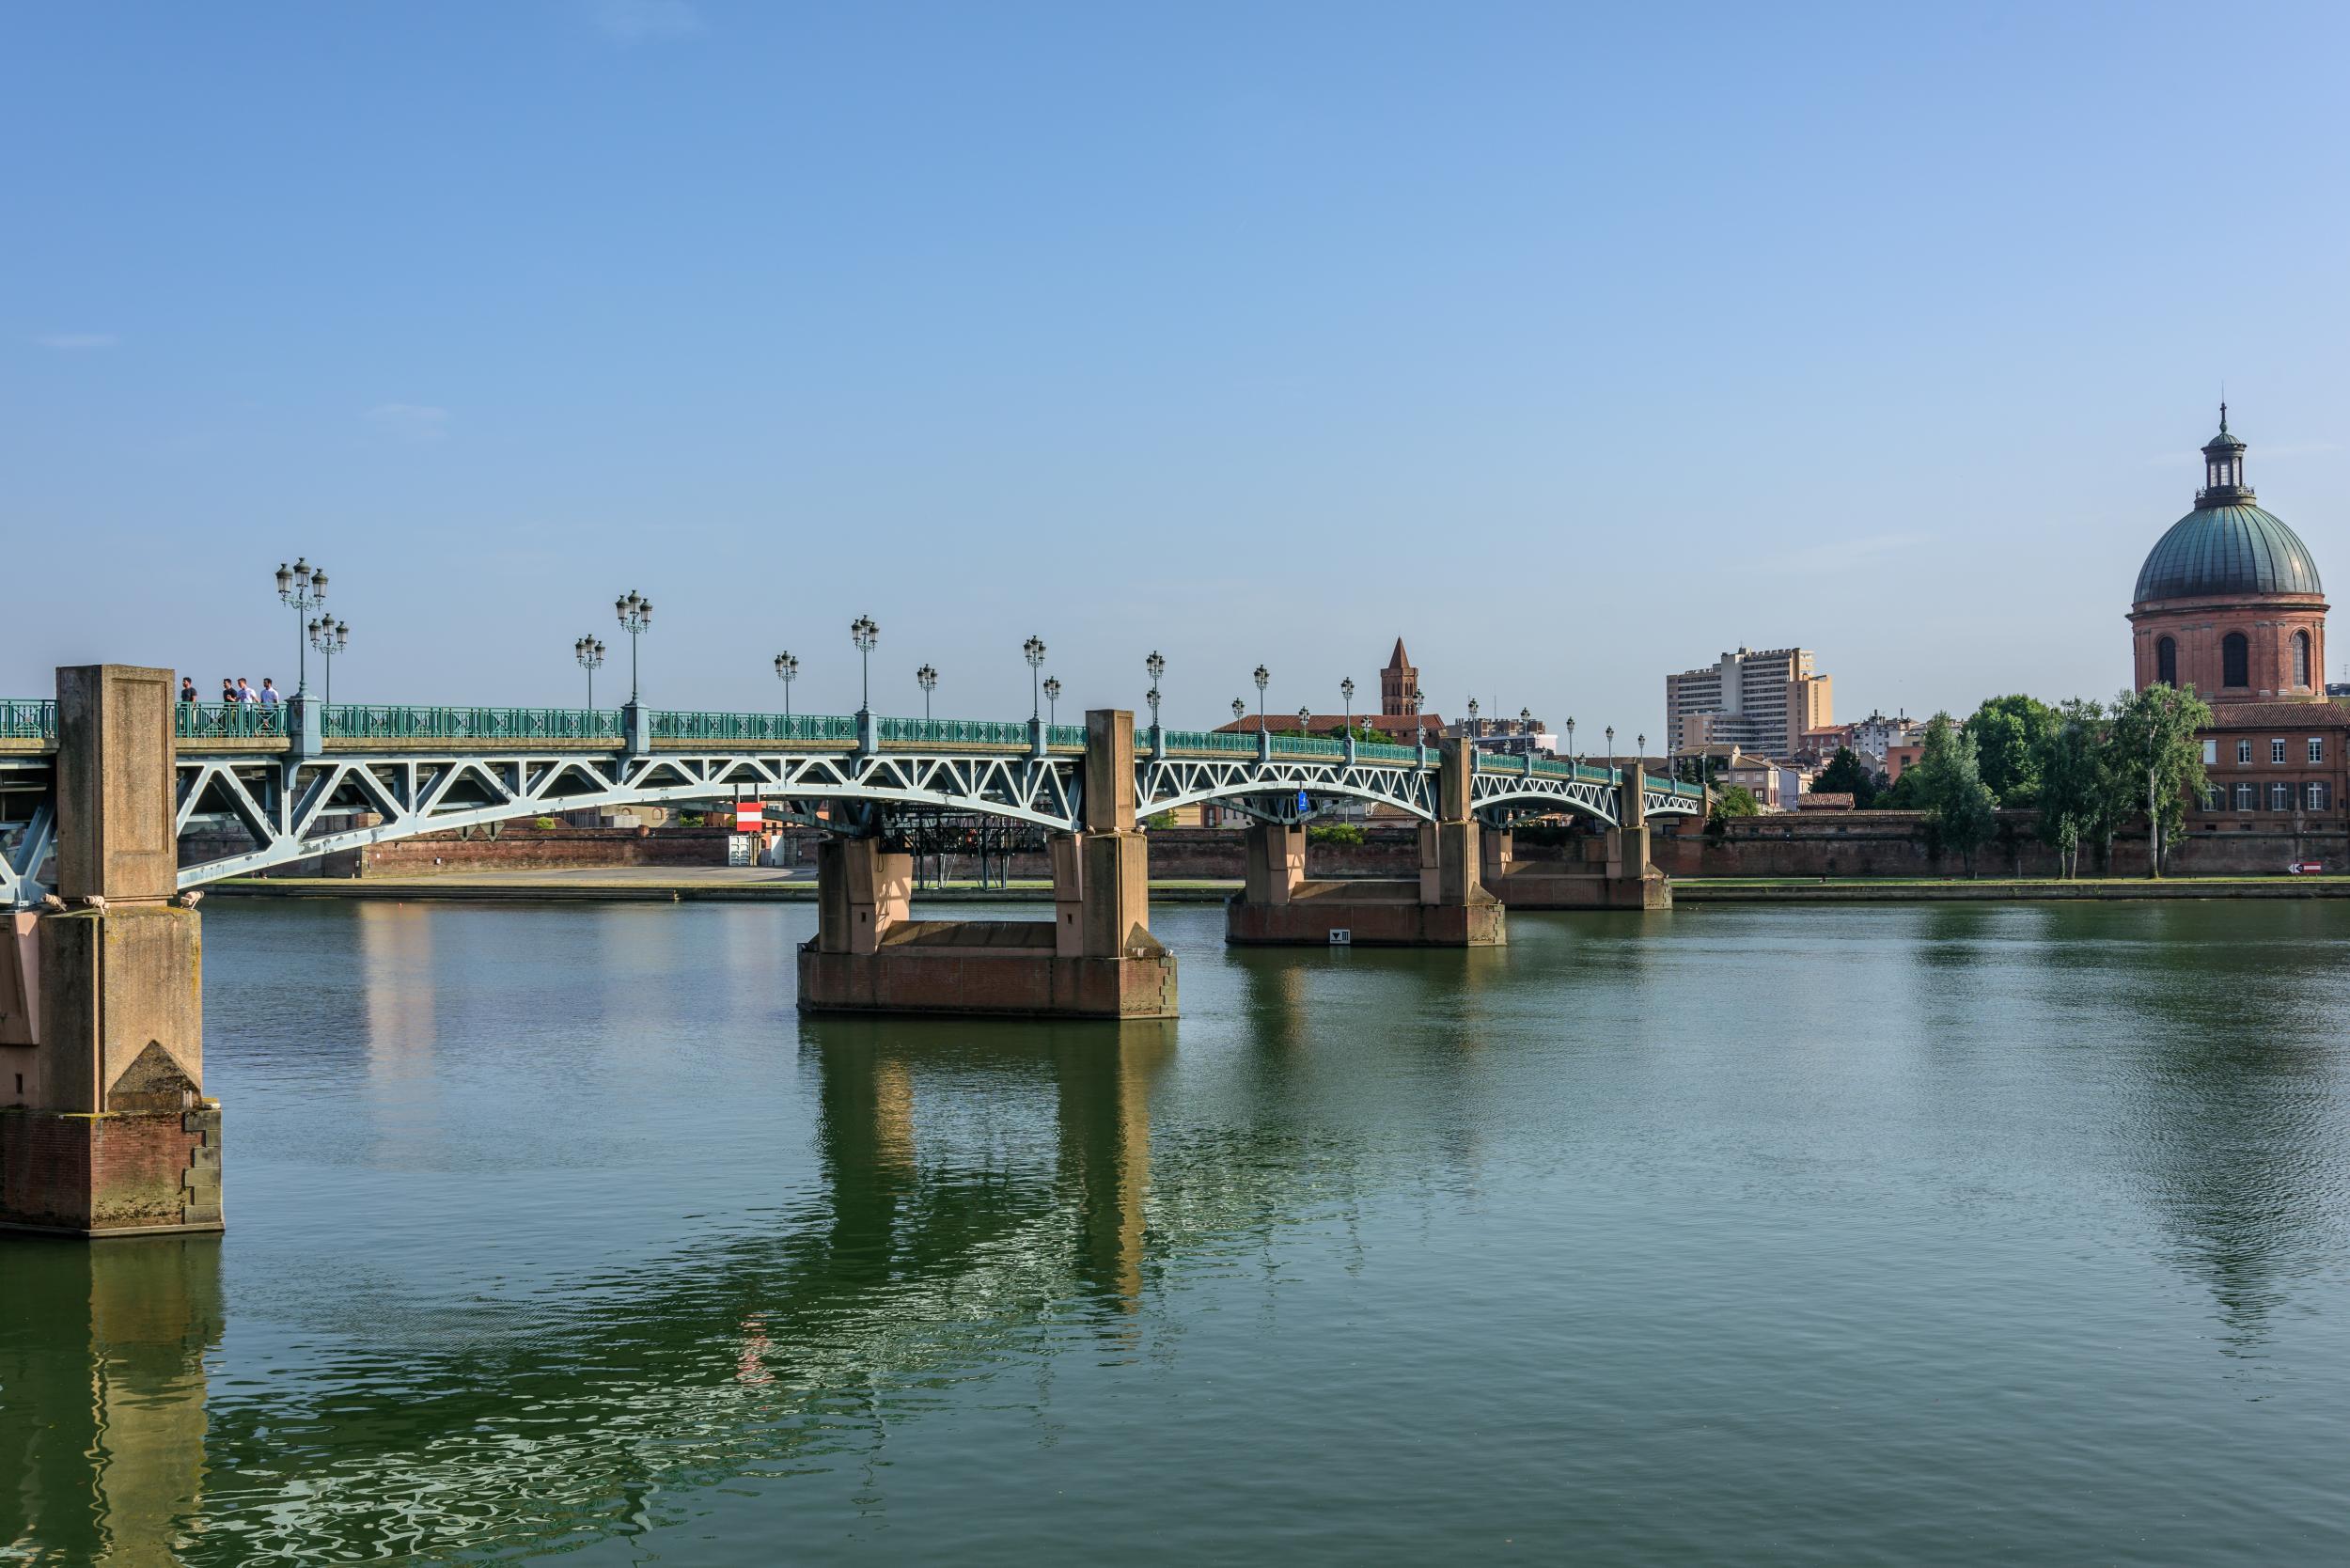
x: 2236, y: 661
x: 2166, y: 661
x: 2301, y: 659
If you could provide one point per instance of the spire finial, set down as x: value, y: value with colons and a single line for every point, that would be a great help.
x: 2223, y: 408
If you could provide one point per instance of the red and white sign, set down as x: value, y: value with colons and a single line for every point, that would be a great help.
x: 749, y: 816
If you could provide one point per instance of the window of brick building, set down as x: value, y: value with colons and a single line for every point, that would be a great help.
x: 2243, y: 751
x: 2317, y: 749
x: 2211, y: 753
x: 2244, y: 797
x: 2236, y: 661
x: 2275, y: 751
x: 2167, y: 661
x: 2317, y: 796
x: 2300, y: 658
x: 2281, y: 797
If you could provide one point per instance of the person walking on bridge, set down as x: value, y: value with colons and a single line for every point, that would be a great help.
x: 187, y: 689
x: 269, y: 698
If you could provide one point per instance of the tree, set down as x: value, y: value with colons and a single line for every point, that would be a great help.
x: 1847, y: 775
x: 2075, y: 786
x: 2155, y: 747
x: 1737, y: 801
x: 1961, y: 809
x: 2009, y: 734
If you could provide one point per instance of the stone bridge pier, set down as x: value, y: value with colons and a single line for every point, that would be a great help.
x: 105, y: 1130
x: 1614, y: 871
x: 1096, y: 958
x: 1446, y: 906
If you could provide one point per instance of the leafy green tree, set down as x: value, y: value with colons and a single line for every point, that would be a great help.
x: 2009, y: 734
x: 1847, y: 775
x: 1737, y: 801
x: 1961, y: 809
x: 2155, y: 753
x: 2075, y: 781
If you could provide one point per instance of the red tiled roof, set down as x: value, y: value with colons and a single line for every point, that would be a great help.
x: 2313, y: 714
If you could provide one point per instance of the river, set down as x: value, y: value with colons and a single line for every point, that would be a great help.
x: 1928, y: 1234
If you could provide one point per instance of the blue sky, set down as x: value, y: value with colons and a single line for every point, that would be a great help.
x: 1575, y: 346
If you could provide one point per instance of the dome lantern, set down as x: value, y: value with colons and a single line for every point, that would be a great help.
x: 2223, y: 470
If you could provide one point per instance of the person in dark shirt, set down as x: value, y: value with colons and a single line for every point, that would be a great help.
x: 187, y: 688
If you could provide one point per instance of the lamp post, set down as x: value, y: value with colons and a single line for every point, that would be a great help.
x: 1155, y: 667
x: 1238, y: 709
x: 303, y: 588
x: 1472, y: 728
x: 1611, y: 748
x: 634, y: 612
x: 1263, y: 677
x: 1526, y: 721
x: 1571, y: 760
x: 927, y: 678
x: 329, y: 636
x: 787, y: 672
x: 588, y: 652
x: 1033, y: 651
x: 865, y: 634
x: 1419, y: 731
x: 1305, y: 721
x: 1051, y: 698
x: 1346, y: 695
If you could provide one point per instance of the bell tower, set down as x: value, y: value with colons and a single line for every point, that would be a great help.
x: 1396, y: 684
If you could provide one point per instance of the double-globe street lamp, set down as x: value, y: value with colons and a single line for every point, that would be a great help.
x: 634, y: 612
x: 1263, y: 677
x: 787, y: 672
x: 1051, y: 698
x: 1033, y: 651
x: 301, y: 588
x: 588, y: 653
x: 1155, y: 666
x: 329, y: 636
x: 1346, y: 693
x: 866, y: 634
x: 926, y: 678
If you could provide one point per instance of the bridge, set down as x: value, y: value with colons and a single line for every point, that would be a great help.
x: 103, y: 1127
x: 409, y: 770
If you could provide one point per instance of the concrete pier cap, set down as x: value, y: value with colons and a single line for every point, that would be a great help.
x: 1096, y: 958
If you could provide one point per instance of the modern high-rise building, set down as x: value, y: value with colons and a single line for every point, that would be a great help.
x: 1761, y: 700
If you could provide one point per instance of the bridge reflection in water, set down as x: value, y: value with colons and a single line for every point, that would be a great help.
x: 102, y: 1455
x: 980, y: 1202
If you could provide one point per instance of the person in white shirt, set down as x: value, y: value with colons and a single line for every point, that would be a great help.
x: 269, y: 698
x: 245, y: 693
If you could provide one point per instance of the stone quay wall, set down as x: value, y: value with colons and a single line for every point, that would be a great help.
x: 1787, y: 845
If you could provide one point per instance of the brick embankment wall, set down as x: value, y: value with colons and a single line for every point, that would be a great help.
x: 516, y: 846
x: 1894, y: 843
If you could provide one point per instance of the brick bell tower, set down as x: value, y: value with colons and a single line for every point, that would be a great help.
x: 1397, y: 682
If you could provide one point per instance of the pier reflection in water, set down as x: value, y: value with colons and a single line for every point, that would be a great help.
x: 102, y: 1397
x: 1934, y: 1234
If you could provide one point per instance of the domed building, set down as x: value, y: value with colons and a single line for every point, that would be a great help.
x: 2229, y: 601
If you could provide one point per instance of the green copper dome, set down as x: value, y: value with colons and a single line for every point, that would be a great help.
x: 2227, y: 549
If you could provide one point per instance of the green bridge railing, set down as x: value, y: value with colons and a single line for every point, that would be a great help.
x: 804, y: 729
x: 25, y: 718
x: 209, y: 721
x: 409, y: 722
x: 35, y: 719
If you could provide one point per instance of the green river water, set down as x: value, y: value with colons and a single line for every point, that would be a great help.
x: 1915, y: 1235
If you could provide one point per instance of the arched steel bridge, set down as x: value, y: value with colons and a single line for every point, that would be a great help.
x: 424, y: 770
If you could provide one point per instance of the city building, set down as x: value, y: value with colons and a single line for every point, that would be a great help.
x: 1397, y: 714
x: 1873, y: 738
x: 2229, y: 604
x: 1763, y: 700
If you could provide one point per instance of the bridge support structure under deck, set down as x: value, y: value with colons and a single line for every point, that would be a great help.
x: 105, y: 1130
x: 1614, y: 872
x: 1095, y: 959
x: 1446, y: 906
